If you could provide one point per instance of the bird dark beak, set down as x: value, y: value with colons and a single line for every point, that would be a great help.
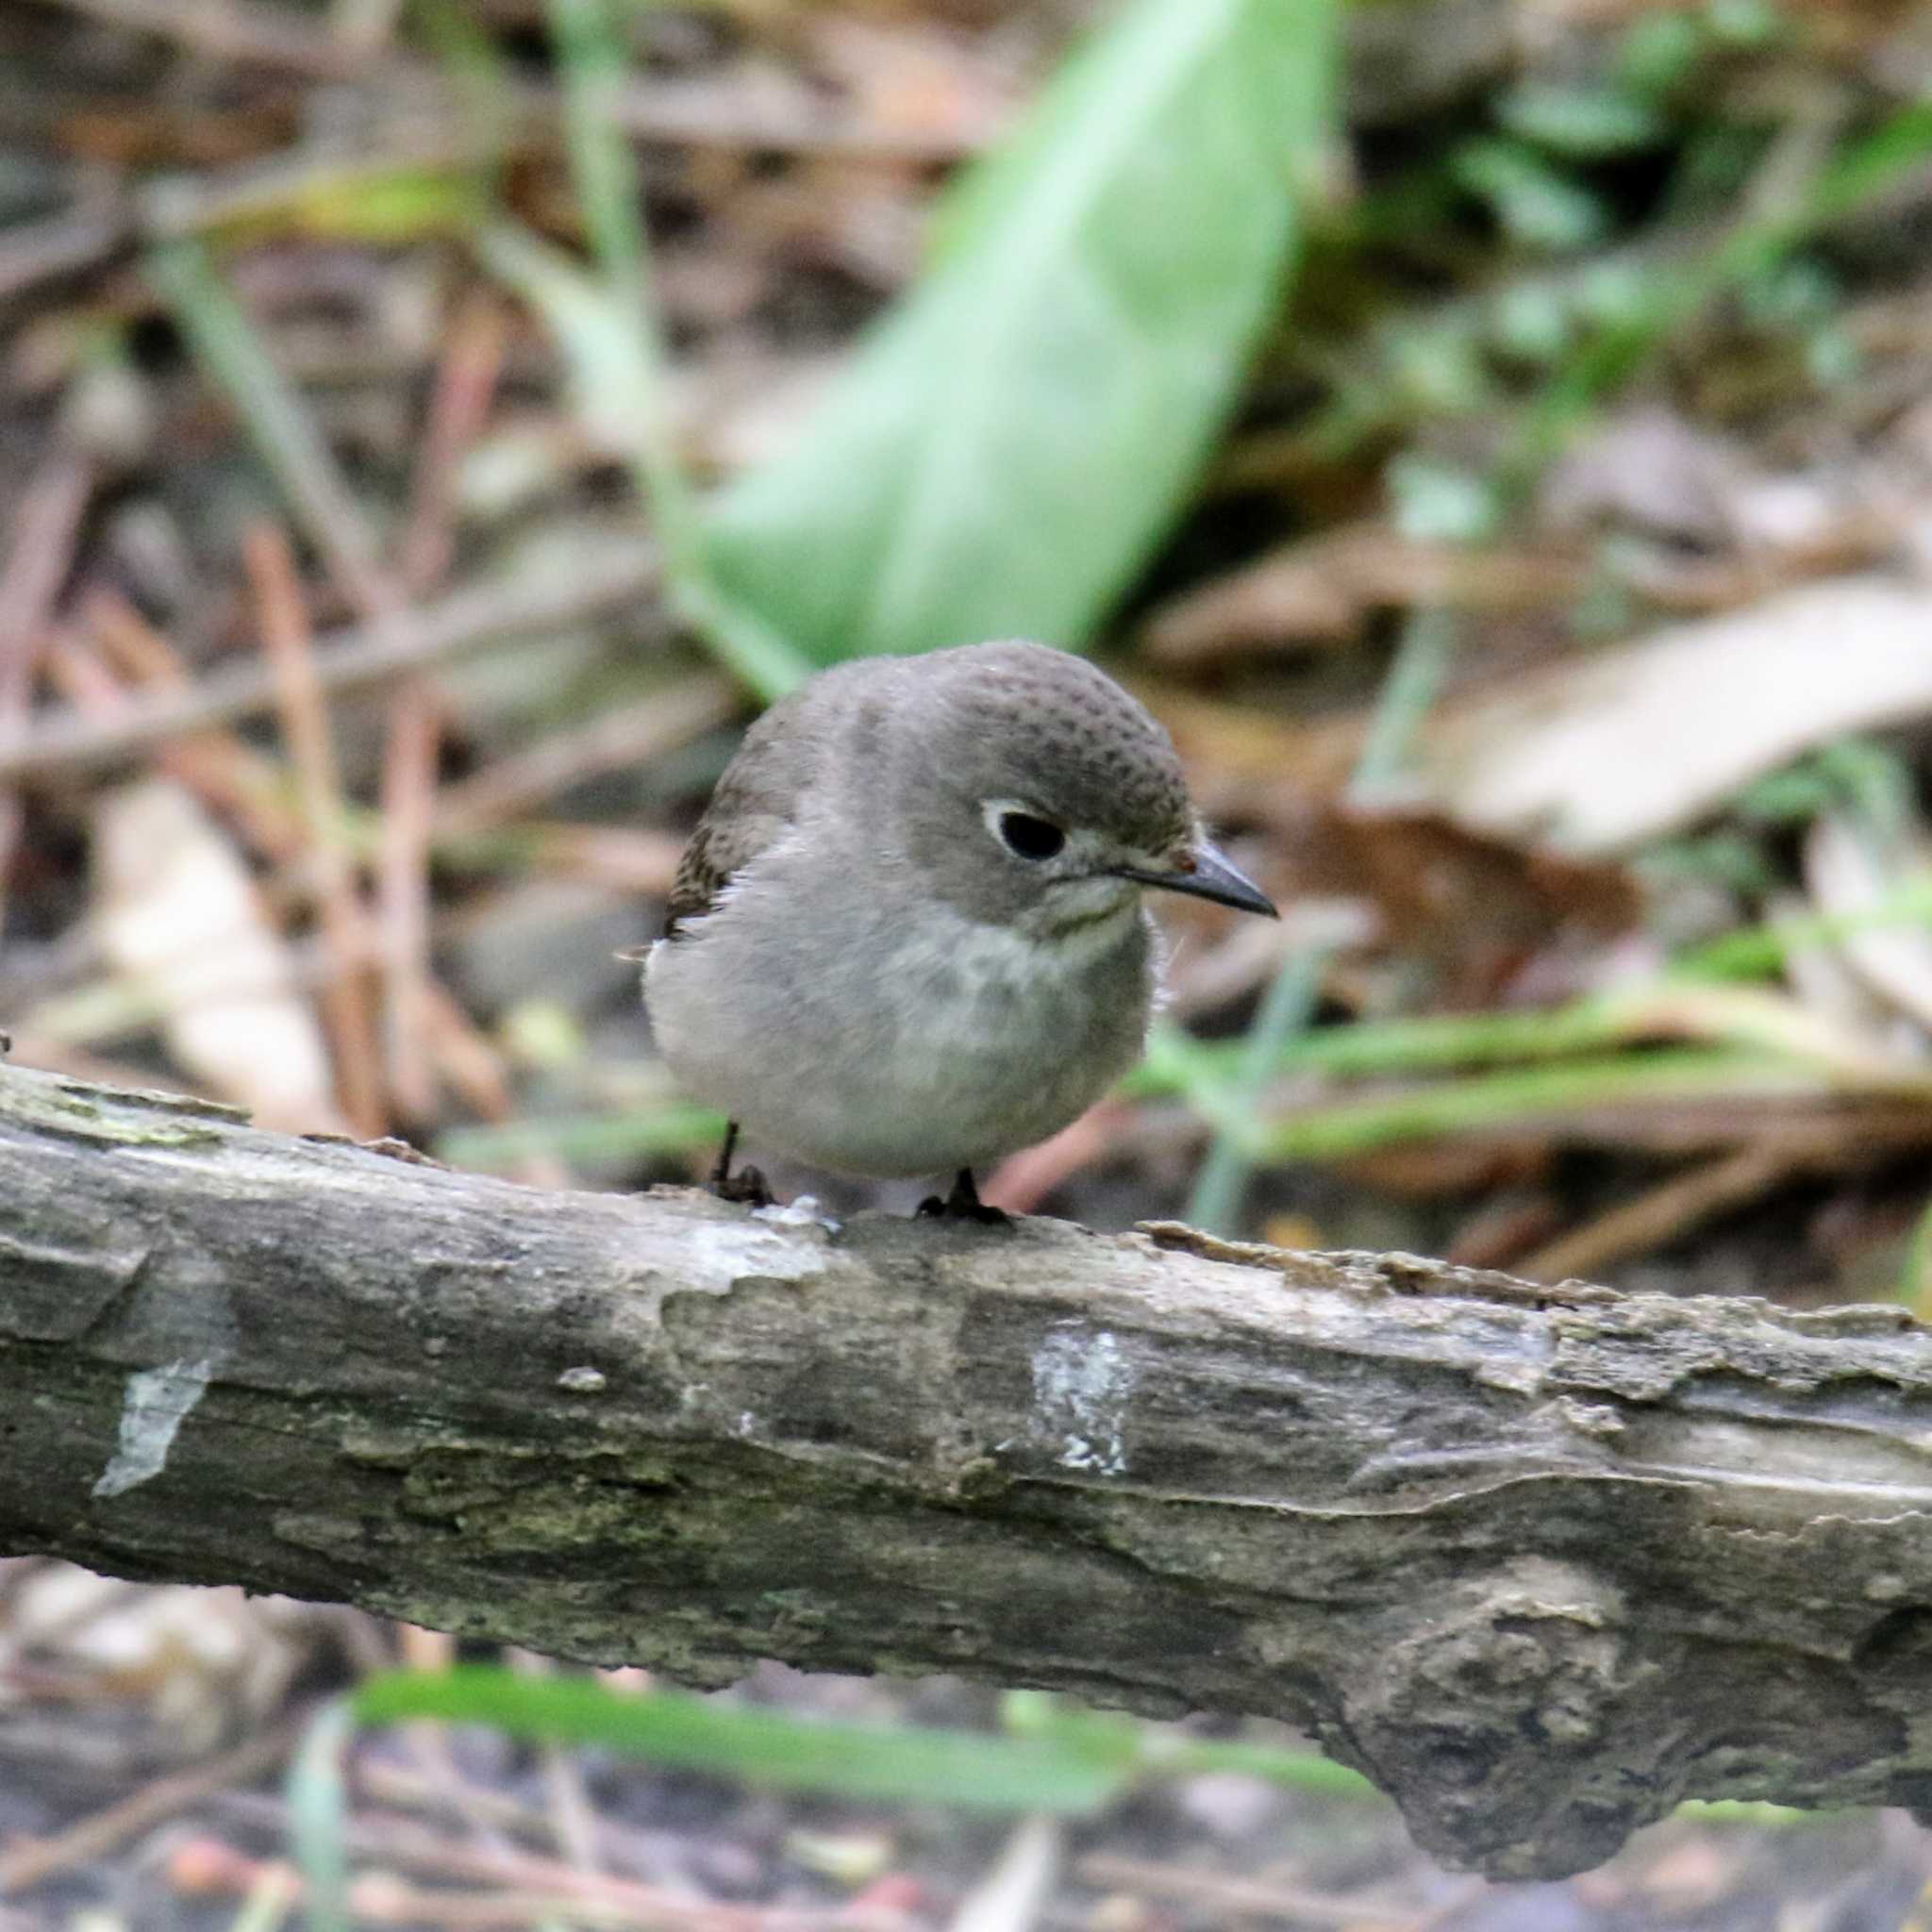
x: 1207, y: 874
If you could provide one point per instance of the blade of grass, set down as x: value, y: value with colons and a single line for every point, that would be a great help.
x: 425, y: 184
x: 1674, y: 1011
x: 1760, y: 1811
x: 318, y: 1821
x: 618, y: 323
x: 1286, y: 1011
x: 1778, y: 1031
x: 587, y: 1140
x: 1519, y: 1098
x: 765, y: 1748
x: 616, y: 387
x: 591, y: 60
x: 1059, y: 1758
x: 1293, y: 1771
x: 1421, y: 663
x: 1288, y: 1006
x: 1915, y: 1273
x: 1162, y: 1750
x: 1758, y: 950
x: 231, y: 353
x: 1177, y: 1064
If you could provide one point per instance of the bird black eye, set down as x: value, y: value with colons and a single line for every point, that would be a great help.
x: 1027, y: 837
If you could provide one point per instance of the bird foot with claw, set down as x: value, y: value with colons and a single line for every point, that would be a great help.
x: 964, y: 1204
x: 744, y: 1188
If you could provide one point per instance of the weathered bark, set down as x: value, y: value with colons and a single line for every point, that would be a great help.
x: 1539, y: 1561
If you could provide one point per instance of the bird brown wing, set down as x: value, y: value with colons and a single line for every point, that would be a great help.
x: 756, y: 800
x: 717, y: 849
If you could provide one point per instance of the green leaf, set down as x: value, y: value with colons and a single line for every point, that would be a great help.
x: 1012, y: 441
x: 1660, y: 52
x: 1584, y: 123
x: 1536, y: 204
x: 901, y: 1763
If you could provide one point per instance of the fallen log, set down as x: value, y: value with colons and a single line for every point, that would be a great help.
x: 1540, y: 1562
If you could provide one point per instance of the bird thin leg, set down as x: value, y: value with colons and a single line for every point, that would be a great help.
x: 964, y: 1204
x: 747, y: 1187
x: 720, y: 1173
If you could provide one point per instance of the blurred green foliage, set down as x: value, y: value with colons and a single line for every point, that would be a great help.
x: 1050, y: 1757
x: 1022, y: 429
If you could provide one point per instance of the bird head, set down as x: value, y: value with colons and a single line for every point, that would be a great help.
x: 1036, y: 793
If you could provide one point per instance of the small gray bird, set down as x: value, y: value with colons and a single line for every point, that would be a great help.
x: 906, y: 936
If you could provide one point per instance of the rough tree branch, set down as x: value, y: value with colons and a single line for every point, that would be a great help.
x: 1539, y: 1561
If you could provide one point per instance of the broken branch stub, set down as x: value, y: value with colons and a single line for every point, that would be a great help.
x: 1539, y: 1561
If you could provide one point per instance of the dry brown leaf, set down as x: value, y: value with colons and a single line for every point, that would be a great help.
x: 1232, y: 749
x: 1325, y: 589
x: 1601, y: 754
x: 177, y: 915
x: 1481, y: 909
x: 1475, y: 909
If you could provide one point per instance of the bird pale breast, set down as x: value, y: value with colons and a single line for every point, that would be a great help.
x: 868, y: 1045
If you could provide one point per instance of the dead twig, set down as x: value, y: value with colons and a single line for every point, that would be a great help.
x: 241, y: 783
x: 697, y: 113
x: 353, y: 660
x: 56, y: 500
x: 218, y: 30
x: 1246, y: 1898
x: 523, y: 1889
x: 632, y: 735
x: 1664, y: 1212
x: 466, y: 381
x: 24, y: 1866
x: 627, y: 858
x: 304, y: 724
x: 36, y: 251
x: 1410, y: 1506
x: 408, y: 806
x: 465, y: 386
